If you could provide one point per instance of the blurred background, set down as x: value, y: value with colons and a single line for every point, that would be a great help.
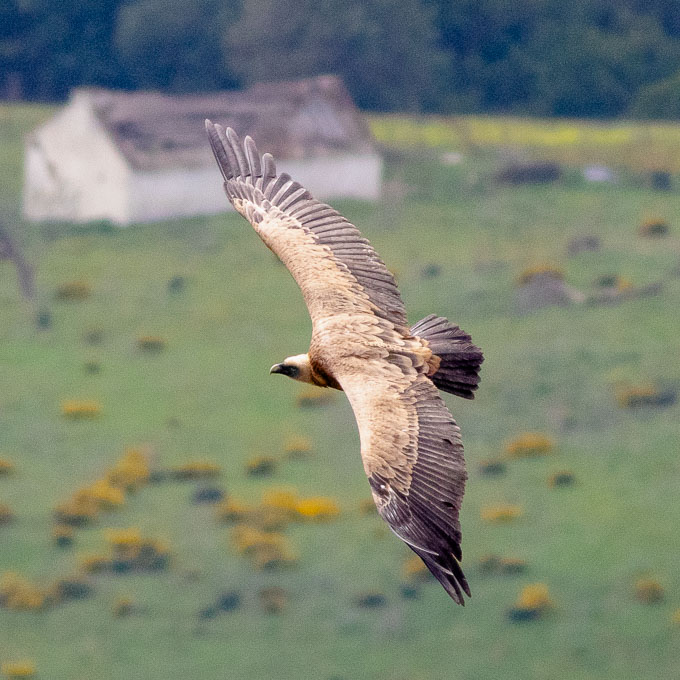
x: 168, y: 509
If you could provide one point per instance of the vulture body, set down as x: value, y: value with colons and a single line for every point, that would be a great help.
x: 361, y: 344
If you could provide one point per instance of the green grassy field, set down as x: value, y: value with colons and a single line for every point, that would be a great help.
x: 209, y: 395
x: 641, y: 146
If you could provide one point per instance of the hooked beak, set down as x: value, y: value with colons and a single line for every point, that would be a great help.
x: 277, y: 368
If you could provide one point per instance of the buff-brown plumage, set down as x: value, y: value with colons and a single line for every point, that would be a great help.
x: 410, y: 444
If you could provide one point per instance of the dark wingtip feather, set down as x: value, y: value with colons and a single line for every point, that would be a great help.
x: 237, y: 149
x: 218, y: 149
x: 448, y: 572
x: 253, y: 156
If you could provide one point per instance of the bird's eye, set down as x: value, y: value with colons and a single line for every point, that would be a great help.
x: 293, y: 371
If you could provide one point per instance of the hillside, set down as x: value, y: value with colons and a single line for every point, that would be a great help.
x: 458, y: 244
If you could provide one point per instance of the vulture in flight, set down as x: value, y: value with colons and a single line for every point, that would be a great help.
x: 362, y: 344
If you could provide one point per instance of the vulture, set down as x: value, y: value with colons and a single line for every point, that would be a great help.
x: 362, y: 344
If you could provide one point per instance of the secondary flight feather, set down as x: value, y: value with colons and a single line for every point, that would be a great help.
x: 362, y: 344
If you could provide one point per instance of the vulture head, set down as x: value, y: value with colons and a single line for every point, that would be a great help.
x: 297, y: 367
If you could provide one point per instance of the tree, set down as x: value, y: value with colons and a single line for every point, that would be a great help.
x: 175, y: 45
x: 54, y: 46
x: 387, y: 52
x: 661, y: 99
x: 548, y: 57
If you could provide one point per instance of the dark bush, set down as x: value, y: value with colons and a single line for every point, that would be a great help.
x: 584, y: 244
x: 371, y: 600
x: 228, y: 602
x: 95, y: 336
x: 44, y: 319
x: 538, y: 172
x: 207, y: 494
x: 521, y: 614
x: 176, y: 284
x: 273, y: 600
x: 431, y: 271
x: 73, y: 589
x: 208, y: 613
x: 661, y: 180
x: 492, y: 467
x: 409, y: 592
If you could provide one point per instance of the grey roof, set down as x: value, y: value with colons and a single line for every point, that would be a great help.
x: 291, y: 120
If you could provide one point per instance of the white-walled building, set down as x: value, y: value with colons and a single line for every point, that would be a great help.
x: 141, y: 156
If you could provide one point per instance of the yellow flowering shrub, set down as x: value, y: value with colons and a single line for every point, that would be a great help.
x: 281, y: 499
x: 62, y: 535
x: 319, y: 508
x: 313, y: 396
x: 512, y: 565
x: 529, y: 445
x: 636, y: 395
x: 129, y: 550
x: 270, y: 518
x: 106, y: 496
x: 500, y: 513
x: 246, y: 539
x: 6, y: 514
x: 540, y: 270
x: 675, y: 617
x: 653, y: 227
x: 494, y: 564
x: 297, y: 446
x: 535, y: 597
x: 649, y: 590
x: 261, y: 466
x: 18, y: 669
x: 414, y: 569
x: 6, y: 467
x: 623, y: 284
x: 19, y: 594
x: 641, y: 146
x: 267, y: 550
x: 123, y: 606
x: 232, y: 510
x: 95, y: 564
x: 131, y: 471
x: 124, y: 540
x: 273, y: 599
x: 80, y: 410
x: 196, y: 469
x: 79, y: 510
x: 73, y: 291
x: 267, y: 557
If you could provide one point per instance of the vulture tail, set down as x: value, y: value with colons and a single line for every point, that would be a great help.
x: 460, y: 360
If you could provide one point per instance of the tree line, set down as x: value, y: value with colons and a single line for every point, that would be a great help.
x: 591, y: 58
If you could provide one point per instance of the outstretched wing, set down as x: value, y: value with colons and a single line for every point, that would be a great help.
x: 336, y: 268
x: 413, y: 456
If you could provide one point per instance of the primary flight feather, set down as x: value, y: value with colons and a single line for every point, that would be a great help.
x: 361, y: 344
